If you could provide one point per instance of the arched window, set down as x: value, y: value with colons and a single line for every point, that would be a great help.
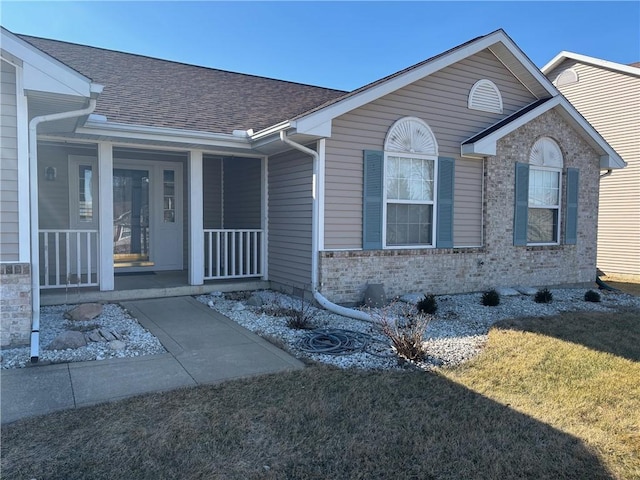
x: 410, y: 163
x: 485, y: 96
x: 545, y: 186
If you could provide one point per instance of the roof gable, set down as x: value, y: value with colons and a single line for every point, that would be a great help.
x: 618, y: 67
x: 498, y: 42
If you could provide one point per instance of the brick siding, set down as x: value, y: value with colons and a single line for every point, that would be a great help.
x: 345, y: 274
x: 15, y: 304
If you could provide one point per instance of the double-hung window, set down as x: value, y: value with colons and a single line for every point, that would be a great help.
x: 544, y: 205
x: 409, y: 187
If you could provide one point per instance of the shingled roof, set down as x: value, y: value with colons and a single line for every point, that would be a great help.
x: 159, y: 93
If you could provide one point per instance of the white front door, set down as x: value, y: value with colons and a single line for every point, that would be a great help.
x: 147, y: 215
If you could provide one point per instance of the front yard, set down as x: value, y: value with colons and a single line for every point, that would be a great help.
x: 553, y: 397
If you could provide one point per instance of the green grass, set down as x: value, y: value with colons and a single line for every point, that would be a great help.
x: 548, y: 398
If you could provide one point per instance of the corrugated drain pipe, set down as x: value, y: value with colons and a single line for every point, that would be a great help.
x: 321, y: 299
x: 33, y: 202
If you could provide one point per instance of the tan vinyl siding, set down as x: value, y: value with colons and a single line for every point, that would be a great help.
x: 439, y: 99
x: 610, y: 101
x: 467, y: 203
x: 290, y: 209
x: 9, y: 224
x: 242, y: 193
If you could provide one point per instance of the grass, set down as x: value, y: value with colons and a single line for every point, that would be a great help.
x: 548, y: 398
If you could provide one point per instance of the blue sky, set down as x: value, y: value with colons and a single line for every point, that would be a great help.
x: 340, y: 45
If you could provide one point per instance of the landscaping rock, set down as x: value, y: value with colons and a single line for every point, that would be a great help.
x: 255, y: 301
x: 527, y: 290
x: 94, y: 336
x: 107, y: 335
x: 412, y: 298
x: 70, y: 339
x: 86, y: 311
x: 507, y: 292
x: 117, y: 345
x: 374, y: 295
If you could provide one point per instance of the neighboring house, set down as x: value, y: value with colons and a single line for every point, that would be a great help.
x: 607, y: 94
x: 461, y: 173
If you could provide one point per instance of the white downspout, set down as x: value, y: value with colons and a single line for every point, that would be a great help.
x: 321, y: 299
x: 33, y: 201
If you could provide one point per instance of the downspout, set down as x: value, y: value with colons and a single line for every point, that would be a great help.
x: 609, y: 172
x: 321, y: 299
x: 33, y: 202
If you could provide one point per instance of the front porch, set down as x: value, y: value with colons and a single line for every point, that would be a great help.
x: 145, y: 285
x: 118, y: 223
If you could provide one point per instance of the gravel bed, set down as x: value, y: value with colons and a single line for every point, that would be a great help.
x: 457, y: 332
x: 138, y: 341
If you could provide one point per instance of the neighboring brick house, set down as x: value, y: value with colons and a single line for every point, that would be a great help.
x: 464, y: 172
x: 607, y: 94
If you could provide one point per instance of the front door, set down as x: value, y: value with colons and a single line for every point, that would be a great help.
x: 147, y: 215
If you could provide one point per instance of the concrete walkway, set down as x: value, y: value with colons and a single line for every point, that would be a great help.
x: 204, y: 347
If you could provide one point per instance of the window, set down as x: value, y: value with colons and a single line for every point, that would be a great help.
x: 538, y: 193
x: 407, y: 191
x: 83, y: 198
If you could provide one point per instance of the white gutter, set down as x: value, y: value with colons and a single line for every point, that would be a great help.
x: 33, y: 201
x: 321, y: 299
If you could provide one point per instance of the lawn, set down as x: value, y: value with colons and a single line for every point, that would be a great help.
x: 548, y: 398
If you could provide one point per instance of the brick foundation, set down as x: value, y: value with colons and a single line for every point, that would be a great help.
x: 345, y: 274
x: 15, y: 304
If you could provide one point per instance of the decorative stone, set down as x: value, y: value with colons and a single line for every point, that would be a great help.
x: 255, y: 301
x: 527, y: 290
x: 86, y: 311
x: 107, y: 335
x: 94, y: 336
x: 238, y: 307
x: 374, y: 295
x: 69, y: 339
x: 507, y: 291
x: 117, y: 345
x: 412, y: 298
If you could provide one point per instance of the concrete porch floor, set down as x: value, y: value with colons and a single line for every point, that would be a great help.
x: 145, y: 285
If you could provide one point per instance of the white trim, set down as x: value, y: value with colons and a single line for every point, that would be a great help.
x: 22, y: 119
x: 487, y: 146
x: 105, y: 216
x: 321, y: 191
x: 562, y: 56
x: 265, y: 217
x: 312, y: 120
x: 163, y: 134
x: 43, y: 72
x: 196, y: 218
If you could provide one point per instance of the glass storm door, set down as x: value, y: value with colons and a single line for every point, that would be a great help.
x: 131, y: 232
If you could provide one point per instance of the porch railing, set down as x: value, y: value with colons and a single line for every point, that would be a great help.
x: 233, y: 253
x: 68, y: 258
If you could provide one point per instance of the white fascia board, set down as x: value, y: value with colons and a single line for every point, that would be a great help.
x: 310, y: 121
x: 275, y: 129
x: 487, y: 146
x: 142, y: 132
x: 322, y: 129
x: 44, y: 73
x: 620, y: 67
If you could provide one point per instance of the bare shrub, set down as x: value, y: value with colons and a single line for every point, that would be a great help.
x: 406, y: 333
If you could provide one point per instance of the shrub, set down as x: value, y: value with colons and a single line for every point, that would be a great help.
x: 591, y: 296
x: 428, y: 305
x: 543, y: 296
x: 490, y: 298
x: 407, y: 335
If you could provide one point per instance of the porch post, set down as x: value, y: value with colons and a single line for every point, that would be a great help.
x: 105, y: 216
x: 196, y: 219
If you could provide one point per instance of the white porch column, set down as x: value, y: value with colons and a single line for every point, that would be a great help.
x: 105, y: 216
x: 196, y: 219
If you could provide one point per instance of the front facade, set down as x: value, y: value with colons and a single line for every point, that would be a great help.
x: 465, y: 172
x: 608, y: 95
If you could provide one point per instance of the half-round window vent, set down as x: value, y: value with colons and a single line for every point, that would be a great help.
x: 567, y: 77
x: 546, y: 153
x: 485, y: 96
x: 410, y: 134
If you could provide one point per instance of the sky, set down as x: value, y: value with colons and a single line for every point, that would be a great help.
x: 342, y: 45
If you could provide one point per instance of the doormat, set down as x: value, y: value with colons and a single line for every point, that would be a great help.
x: 131, y: 274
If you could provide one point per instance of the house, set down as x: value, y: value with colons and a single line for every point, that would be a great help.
x: 607, y: 94
x: 464, y: 172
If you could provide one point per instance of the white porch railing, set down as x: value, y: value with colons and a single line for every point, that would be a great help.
x: 68, y: 258
x: 233, y: 253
